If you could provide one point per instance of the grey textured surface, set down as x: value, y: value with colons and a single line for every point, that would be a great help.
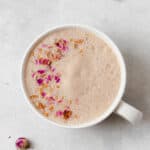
x: 125, y: 21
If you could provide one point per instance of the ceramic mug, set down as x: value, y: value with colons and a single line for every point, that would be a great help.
x: 118, y: 106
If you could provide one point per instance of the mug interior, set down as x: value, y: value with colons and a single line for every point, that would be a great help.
x: 121, y: 63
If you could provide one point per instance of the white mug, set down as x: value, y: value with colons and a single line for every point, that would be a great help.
x: 118, y: 106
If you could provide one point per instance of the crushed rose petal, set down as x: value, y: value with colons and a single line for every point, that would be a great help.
x: 41, y: 71
x: 59, y: 113
x: 49, y: 77
x: 33, y: 74
x: 51, y: 98
x: 53, y: 69
x: 57, y: 79
x: 43, y: 94
x: 62, y: 44
x: 40, y: 81
x: 60, y: 101
x: 44, y: 61
x: 22, y: 143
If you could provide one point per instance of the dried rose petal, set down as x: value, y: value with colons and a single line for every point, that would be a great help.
x: 62, y: 44
x: 41, y: 71
x: 22, y: 143
x: 57, y: 79
x: 43, y: 94
x: 49, y: 78
x: 40, y: 81
x: 53, y: 69
x: 59, y: 113
x: 51, y: 98
x: 33, y: 74
x: 60, y: 101
x: 44, y: 61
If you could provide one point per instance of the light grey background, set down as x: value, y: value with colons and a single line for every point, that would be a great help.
x: 127, y: 22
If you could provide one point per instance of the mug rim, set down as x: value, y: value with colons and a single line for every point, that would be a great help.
x: 119, y: 56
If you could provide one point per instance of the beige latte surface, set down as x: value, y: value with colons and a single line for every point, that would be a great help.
x: 72, y: 76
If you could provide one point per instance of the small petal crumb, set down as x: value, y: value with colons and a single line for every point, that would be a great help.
x: 59, y: 113
x: 43, y: 94
x: 22, y: 143
x: 39, y: 81
x: 41, y: 71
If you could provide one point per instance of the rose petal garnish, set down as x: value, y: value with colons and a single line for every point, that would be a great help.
x: 53, y: 69
x: 62, y: 44
x: 59, y: 113
x: 43, y: 94
x: 57, y: 79
x: 50, y: 98
x: 22, y: 143
x: 44, y: 61
x: 60, y: 101
x: 33, y: 74
x: 41, y: 71
x: 40, y: 81
x: 49, y: 77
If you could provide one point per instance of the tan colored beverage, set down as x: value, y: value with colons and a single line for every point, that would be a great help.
x: 72, y: 76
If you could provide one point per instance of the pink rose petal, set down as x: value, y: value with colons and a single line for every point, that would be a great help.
x: 41, y: 71
x: 22, y: 143
x: 33, y: 74
x: 49, y: 78
x: 57, y: 79
x: 62, y: 44
x: 43, y: 94
x: 60, y: 101
x: 51, y: 98
x: 40, y: 81
x: 53, y: 69
x: 59, y: 113
x: 44, y: 61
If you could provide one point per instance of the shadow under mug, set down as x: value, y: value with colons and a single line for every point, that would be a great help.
x: 118, y: 106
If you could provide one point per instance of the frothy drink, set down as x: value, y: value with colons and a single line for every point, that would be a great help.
x: 72, y: 76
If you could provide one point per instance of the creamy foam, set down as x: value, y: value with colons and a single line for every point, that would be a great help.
x: 72, y: 76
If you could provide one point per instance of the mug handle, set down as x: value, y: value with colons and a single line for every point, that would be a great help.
x: 128, y: 112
